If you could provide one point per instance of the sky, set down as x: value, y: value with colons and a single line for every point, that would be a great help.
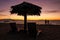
x: 50, y: 9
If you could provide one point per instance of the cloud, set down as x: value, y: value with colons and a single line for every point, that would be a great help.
x: 53, y: 11
x: 2, y: 15
x: 2, y: 10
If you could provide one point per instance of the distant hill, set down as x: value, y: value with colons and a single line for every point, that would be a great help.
x: 55, y: 22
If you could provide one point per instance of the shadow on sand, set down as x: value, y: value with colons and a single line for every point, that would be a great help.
x: 49, y: 32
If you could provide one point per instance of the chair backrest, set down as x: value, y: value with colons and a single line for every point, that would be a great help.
x: 13, y: 27
x: 32, y: 29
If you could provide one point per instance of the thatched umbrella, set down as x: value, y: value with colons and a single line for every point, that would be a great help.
x: 25, y: 9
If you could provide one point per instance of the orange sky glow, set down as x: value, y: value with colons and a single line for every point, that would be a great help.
x: 43, y: 16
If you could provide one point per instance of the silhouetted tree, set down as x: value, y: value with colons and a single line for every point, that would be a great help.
x: 25, y: 9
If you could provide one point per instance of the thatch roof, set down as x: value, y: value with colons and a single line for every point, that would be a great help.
x: 26, y: 8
